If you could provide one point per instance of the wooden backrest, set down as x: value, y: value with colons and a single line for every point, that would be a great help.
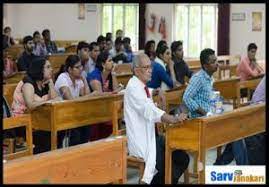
x: 20, y: 121
x: 65, y: 43
x: 15, y: 51
x: 8, y: 91
x: 193, y: 62
x: 57, y: 60
x: 71, y: 49
x: 101, y: 162
x: 15, y: 78
x: 123, y: 68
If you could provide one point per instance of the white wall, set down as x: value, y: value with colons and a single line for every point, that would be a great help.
x: 241, y: 33
x: 61, y: 19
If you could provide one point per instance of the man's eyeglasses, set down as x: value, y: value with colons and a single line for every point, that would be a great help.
x: 145, y: 67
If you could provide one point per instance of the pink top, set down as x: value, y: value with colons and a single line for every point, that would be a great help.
x: 245, y: 70
x: 18, y: 105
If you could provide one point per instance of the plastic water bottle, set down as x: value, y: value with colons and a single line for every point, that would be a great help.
x: 212, y: 109
x: 218, y: 103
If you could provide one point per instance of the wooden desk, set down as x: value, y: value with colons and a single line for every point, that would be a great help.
x: 8, y: 91
x: 68, y: 114
x: 20, y: 121
x: 202, y: 134
x: 15, y: 78
x: 98, y: 162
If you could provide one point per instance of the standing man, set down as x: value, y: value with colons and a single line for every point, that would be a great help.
x: 141, y: 114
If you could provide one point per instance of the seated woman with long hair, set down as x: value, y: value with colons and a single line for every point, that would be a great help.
x: 35, y: 89
x: 103, y: 79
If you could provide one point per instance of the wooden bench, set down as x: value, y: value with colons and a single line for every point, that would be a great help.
x: 65, y: 43
x: 8, y: 91
x: 68, y: 114
x: 202, y: 134
x: 99, y: 162
x: 15, y: 51
x: 71, y: 49
x: 20, y: 121
x: 15, y: 78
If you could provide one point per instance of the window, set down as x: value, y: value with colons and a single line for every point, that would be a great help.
x: 196, y: 25
x: 121, y: 16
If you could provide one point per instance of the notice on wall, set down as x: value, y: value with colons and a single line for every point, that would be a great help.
x: 256, y: 21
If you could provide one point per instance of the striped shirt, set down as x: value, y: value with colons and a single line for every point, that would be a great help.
x: 197, y: 94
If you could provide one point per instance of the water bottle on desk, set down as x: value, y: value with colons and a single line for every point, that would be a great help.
x: 212, y: 109
x: 219, y: 103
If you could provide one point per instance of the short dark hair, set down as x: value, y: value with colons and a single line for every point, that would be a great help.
x: 107, y: 35
x: 92, y: 45
x: 36, y: 67
x: 119, y: 30
x: 175, y: 45
x: 118, y: 41
x: 36, y: 33
x: 127, y: 40
x: 81, y: 45
x: 204, y: 56
x: 27, y: 39
x: 45, y: 31
x: 100, y: 39
x: 252, y: 46
x: 161, y: 50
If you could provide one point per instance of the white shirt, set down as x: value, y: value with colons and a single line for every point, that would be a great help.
x: 89, y: 66
x: 65, y: 80
x: 164, y: 86
x: 140, y: 115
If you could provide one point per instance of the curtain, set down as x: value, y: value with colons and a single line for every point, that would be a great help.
x: 224, y: 29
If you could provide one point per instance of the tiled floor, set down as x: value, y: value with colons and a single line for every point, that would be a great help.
x: 132, y: 174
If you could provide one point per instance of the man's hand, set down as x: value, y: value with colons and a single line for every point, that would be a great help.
x: 181, y: 117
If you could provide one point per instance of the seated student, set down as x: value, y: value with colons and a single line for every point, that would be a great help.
x: 101, y: 41
x: 119, y: 34
x: 84, y: 55
x: 248, y: 67
x: 50, y: 45
x: 8, y: 41
x: 150, y: 50
x: 163, y: 75
x: 161, y: 43
x: 10, y: 67
x: 94, y: 51
x: 70, y: 84
x: 103, y: 79
x: 119, y: 56
x: 27, y: 56
x: 180, y: 66
x: 110, y: 48
x: 128, y: 49
x: 34, y: 90
x: 39, y: 47
x: 197, y: 99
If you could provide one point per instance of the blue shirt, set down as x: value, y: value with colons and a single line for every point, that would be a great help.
x: 158, y: 76
x: 129, y: 55
x: 96, y: 74
x: 197, y: 93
